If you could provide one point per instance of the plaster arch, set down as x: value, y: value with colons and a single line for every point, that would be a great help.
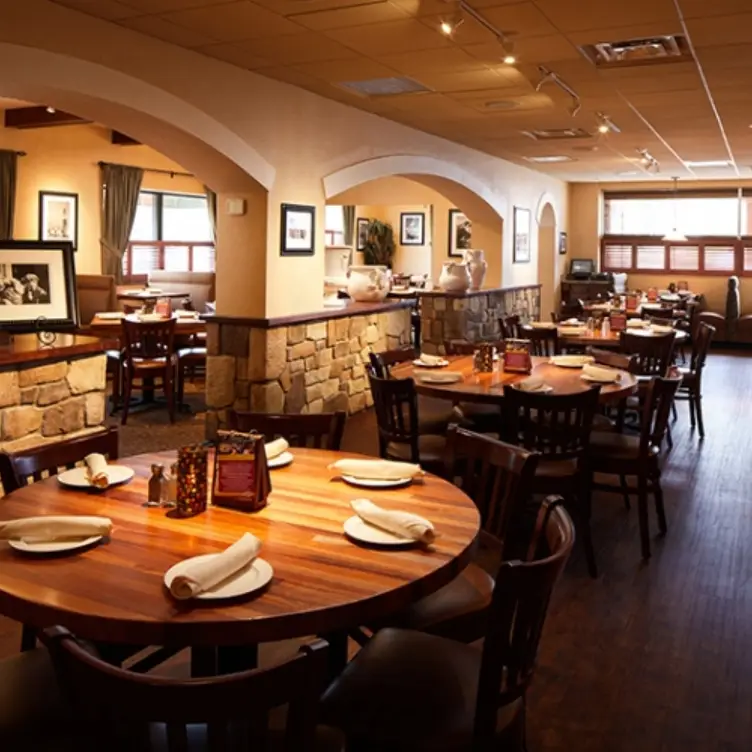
x: 548, y: 260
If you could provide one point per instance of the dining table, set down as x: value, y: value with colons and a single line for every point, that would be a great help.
x: 150, y: 294
x: 611, y: 340
x: 323, y: 582
x: 488, y: 388
x: 109, y: 323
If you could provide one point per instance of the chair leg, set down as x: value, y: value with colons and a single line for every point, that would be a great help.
x: 625, y: 491
x: 660, y: 510
x: 692, y: 419
x: 170, y: 393
x: 128, y: 386
x: 697, y: 400
x: 673, y: 411
x: 583, y: 506
x: 669, y: 438
x: 642, y: 512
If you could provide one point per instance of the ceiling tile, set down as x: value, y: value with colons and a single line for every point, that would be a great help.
x: 441, y: 60
x: 721, y: 30
x: 109, y: 10
x: 580, y: 15
x: 381, y: 39
x: 438, y: 7
x: 164, y: 6
x: 294, y: 7
x: 297, y: 48
x: 235, y: 54
x: 464, y: 81
x: 705, y: 9
x: 357, y: 15
x: 157, y: 27
x: 350, y: 69
x: 546, y: 49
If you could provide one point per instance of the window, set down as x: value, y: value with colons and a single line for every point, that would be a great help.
x: 334, y: 225
x: 170, y: 231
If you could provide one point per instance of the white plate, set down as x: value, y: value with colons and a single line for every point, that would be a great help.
x: 661, y: 329
x: 614, y: 380
x: 447, y: 377
x: 251, y: 577
x: 572, y: 361
x: 281, y: 460
x: 53, y: 547
x: 439, y: 364
x: 543, y: 389
x: 77, y: 477
x: 376, y: 482
x: 111, y: 315
x: 362, y: 531
x: 542, y: 325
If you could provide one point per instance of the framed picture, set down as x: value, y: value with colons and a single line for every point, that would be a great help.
x: 460, y: 233
x: 298, y: 230
x: 562, y: 243
x: 521, y: 231
x: 37, y: 280
x: 412, y: 228
x: 362, y: 229
x: 58, y: 217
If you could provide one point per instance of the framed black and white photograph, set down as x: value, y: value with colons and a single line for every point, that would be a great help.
x: 298, y: 231
x: 521, y: 232
x: 58, y: 217
x: 362, y: 230
x: 412, y: 228
x: 460, y: 233
x: 37, y: 281
x: 562, y: 243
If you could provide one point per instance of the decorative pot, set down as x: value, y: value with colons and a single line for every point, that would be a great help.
x: 368, y: 284
x: 455, y: 277
x: 476, y: 266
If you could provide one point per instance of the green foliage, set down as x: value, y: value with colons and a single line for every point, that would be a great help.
x: 379, y: 248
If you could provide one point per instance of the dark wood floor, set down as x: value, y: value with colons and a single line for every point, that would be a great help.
x: 654, y: 658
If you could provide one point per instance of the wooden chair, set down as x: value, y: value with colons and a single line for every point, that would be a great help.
x: 499, y: 479
x: 127, y: 711
x: 408, y: 691
x: 690, y: 388
x: 24, y: 468
x: 543, y: 342
x: 149, y: 353
x: 653, y: 355
x: 396, y: 404
x: 189, y: 359
x: 509, y: 327
x: 382, y: 362
x: 558, y: 427
x: 318, y: 431
x: 626, y: 455
x: 622, y: 362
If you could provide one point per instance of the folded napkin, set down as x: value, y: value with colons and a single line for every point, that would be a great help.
x: 572, y: 322
x: 377, y: 469
x: 532, y: 384
x: 572, y: 329
x: 596, y: 373
x: 637, y: 323
x: 53, y: 528
x: 204, y: 575
x: 542, y: 325
x: 275, y: 448
x: 96, y: 470
x: 430, y: 360
x: 404, y: 524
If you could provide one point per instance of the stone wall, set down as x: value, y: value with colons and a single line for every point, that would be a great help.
x: 43, y: 404
x: 303, y: 368
x: 473, y: 317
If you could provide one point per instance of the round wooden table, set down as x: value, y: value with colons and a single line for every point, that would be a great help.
x: 595, y: 339
x: 322, y: 581
x: 489, y: 387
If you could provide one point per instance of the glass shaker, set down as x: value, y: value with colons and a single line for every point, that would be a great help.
x: 157, y: 489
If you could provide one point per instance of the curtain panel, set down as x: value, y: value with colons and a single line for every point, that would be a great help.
x: 211, y: 205
x: 8, y: 170
x: 120, y: 186
x: 348, y: 224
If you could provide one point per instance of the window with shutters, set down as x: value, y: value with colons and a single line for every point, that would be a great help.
x: 651, y: 257
x: 684, y: 258
x: 616, y: 257
x: 719, y: 258
x: 747, y: 259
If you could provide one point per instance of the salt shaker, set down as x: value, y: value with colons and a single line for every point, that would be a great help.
x: 157, y: 486
x: 172, y: 486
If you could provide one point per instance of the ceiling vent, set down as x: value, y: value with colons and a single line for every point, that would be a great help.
x: 649, y: 51
x: 556, y: 134
x: 383, y: 87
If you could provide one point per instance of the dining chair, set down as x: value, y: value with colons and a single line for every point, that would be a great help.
x: 509, y: 327
x: 621, y: 361
x: 626, y: 455
x: 395, y: 402
x: 189, y: 359
x: 408, y: 691
x: 499, y: 478
x: 317, y: 431
x: 127, y: 711
x: 149, y: 353
x: 543, y: 342
x: 653, y: 354
x: 558, y: 426
x: 690, y: 388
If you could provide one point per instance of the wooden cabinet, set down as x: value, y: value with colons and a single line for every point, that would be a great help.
x: 584, y: 289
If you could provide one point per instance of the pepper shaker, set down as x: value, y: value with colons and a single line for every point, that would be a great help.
x: 157, y: 486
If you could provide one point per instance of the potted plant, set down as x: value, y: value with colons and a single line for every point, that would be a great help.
x: 379, y: 247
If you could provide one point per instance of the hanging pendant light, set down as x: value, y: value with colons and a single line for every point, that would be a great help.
x: 674, y: 236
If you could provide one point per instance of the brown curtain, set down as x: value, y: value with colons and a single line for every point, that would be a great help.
x: 120, y: 185
x: 211, y: 205
x: 8, y: 166
x: 348, y: 224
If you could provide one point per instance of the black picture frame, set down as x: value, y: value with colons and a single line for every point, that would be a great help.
x: 521, y: 236
x: 405, y: 236
x: 25, y: 254
x: 361, y: 233
x: 305, y: 216
x: 69, y: 200
x: 562, y: 243
x: 460, y: 233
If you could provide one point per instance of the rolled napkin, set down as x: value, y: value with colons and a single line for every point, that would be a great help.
x: 204, y: 575
x: 404, y: 524
x: 377, y: 469
x: 430, y: 360
x: 532, y: 384
x: 275, y: 448
x: 597, y: 373
x: 52, y: 528
x: 96, y: 470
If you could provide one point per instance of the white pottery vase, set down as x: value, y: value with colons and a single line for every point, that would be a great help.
x: 476, y: 266
x: 368, y: 284
x: 455, y: 277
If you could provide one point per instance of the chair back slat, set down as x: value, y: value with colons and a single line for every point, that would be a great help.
x: 543, y: 342
x: 653, y: 355
x: 612, y: 359
x: 395, y: 402
x: 383, y: 361
x: 656, y: 409
x: 461, y: 347
x: 148, y: 340
x: 509, y: 327
x: 316, y: 431
x: 701, y: 346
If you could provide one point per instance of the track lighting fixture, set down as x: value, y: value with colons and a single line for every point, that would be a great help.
x: 448, y: 27
x: 649, y: 162
x: 50, y: 110
x: 674, y: 236
x: 605, y: 124
x: 549, y: 76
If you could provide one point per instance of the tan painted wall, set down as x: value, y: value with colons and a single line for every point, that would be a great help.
x: 65, y: 159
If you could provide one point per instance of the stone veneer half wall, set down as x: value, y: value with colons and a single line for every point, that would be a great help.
x: 301, y: 367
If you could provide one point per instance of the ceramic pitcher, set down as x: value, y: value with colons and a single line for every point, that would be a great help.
x: 476, y: 266
x: 455, y: 277
x: 368, y: 284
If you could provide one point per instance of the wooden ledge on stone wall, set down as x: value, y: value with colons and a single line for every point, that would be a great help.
x: 24, y: 349
x: 474, y: 293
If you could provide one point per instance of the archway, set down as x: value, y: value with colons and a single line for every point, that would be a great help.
x: 547, y: 258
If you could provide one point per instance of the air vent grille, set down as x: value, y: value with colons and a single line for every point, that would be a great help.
x: 383, y: 87
x: 647, y: 51
x: 556, y: 134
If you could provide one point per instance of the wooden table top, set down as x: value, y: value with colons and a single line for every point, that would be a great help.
x: 596, y: 339
x: 184, y: 326
x: 322, y: 581
x: 489, y: 387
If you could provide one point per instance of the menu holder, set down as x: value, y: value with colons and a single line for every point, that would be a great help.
x: 652, y: 295
x: 618, y: 322
x: 162, y: 307
x: 631, y: 302
x: 241, y: 473
x: 517, y: 356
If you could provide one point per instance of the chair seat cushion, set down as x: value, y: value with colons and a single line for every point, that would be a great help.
x: 409, y: 690
x: 616, y: 445
x: 192, y: 353
x: 434, y: 416
x: 430, y: 446
x: 552, y: 468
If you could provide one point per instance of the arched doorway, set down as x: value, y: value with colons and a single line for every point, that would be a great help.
x: 547, y: 259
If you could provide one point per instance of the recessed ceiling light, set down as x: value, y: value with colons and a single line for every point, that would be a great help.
x: 709, y: 163
x: 50, y: 110
x: 509, y: 59
x: 501, y: 104
x: 550, y: 159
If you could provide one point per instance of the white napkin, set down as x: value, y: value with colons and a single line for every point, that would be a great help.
x: 275, y: 448
x: 96, y: 468
x: 52, y: 528
x: 572, y: 322
x: 204, y: 575
x: 377, y: 469
x: 596, y: 373
x: 572, y: 329
x: 542, y: 325
x: 637, y: 323
x: 430, y: 360
x: 404, y: 524
x: 532, y: 384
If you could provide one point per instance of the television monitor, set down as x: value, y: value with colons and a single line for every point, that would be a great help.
x: 581, y: 268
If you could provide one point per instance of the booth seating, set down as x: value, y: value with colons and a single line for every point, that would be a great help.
x: 199, y: 285
x: 96, y: 293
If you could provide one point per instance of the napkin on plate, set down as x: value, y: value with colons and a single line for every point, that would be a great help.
x: 96, y: 470
x: 430, y: 360
x: 275, y: 448
x: 204, y: 575
x: 404, y: 524
x: 53, y: 528
x: 377, y: 469
x: 532, y: 384
x: 596, y: 373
